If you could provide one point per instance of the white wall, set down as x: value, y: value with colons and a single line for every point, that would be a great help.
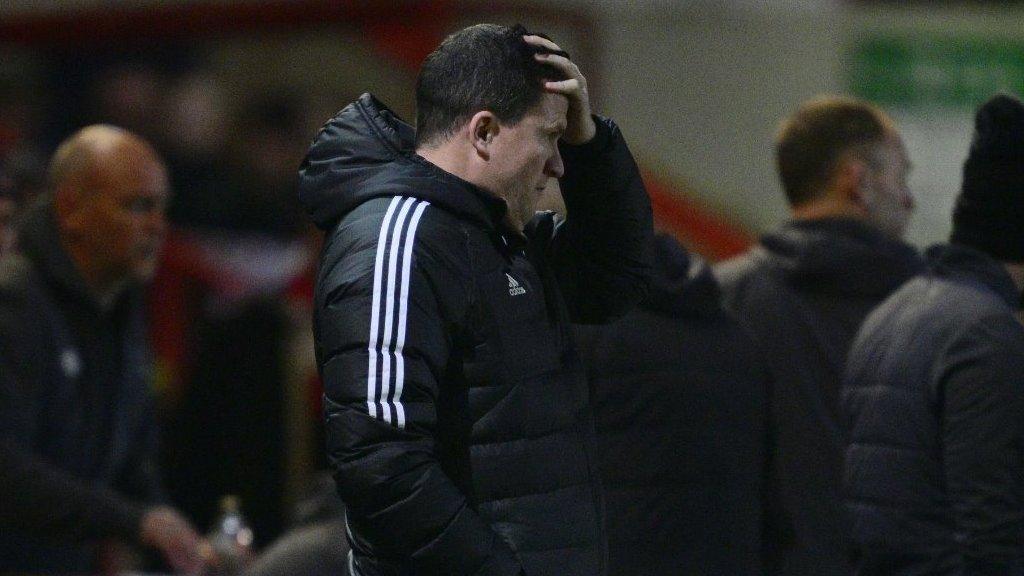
x: 701, y: 89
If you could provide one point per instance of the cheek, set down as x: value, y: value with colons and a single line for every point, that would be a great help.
x: 540, y: 159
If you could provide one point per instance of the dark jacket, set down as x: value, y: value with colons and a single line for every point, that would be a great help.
x: 803, y: 292
x: 680, y: 401
x: 77, y: 434
x: 934, y: 396
x: 457, y: 414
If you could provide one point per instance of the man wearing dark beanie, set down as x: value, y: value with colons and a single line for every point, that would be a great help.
x: 934, y: 386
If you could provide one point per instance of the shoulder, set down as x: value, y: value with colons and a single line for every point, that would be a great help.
x: 392, y: 232
x: 744, y: 276
x: 954, y: 303
x: 397, y: 223
x: 19, y: 289
x: 739, y: 269
x: 23, y: 323
x: 995, y: 330
x: 944, y: 316
x: 16, y: 275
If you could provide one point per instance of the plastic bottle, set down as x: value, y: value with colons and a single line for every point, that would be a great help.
x: 231, y: 538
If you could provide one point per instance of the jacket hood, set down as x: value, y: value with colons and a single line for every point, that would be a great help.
x: 967, y: 264
x: 841, y: 255
x: 680, y: 284
x: 39, y: 241
x: 366, y: 151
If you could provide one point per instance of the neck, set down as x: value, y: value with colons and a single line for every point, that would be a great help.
x: 449, y: 160
x: 828, y: 207
x: 446, y: 159
x: 104, y: 290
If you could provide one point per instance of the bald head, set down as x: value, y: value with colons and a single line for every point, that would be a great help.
x: 93, y: 149
x: 110, y: 190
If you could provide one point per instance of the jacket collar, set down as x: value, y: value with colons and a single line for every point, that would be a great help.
x: 966, y: 264
x: 841, y: 255
x: 366, y: 151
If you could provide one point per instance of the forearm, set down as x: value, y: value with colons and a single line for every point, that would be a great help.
x: 39, y: 498
x: 604, y: 243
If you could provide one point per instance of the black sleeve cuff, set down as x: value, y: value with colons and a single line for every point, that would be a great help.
x: 599, y: 143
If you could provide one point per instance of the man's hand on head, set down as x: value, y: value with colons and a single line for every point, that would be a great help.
x: 580, y: 127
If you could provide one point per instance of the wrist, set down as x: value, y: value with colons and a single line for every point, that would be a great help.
x: 586, y: 133
x: 597, y: 143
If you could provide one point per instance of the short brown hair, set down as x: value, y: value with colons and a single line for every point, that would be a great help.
x: 811, y: 141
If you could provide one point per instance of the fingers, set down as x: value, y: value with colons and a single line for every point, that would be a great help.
x: 541, y: 42
x: 169, y: 532
x: 560, y: 62
x: 580, y: 126
x: 574, y: 83
x: 186, y: 556
x: 566, y: 87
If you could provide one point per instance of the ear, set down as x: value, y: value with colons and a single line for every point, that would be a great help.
x: 483, y: 128
x: 67, y: 203
x: 848, y: 179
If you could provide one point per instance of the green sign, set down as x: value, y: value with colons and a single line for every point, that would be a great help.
x: 946, y: 71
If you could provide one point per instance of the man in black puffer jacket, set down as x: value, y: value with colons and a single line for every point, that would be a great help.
x: 934, y: 389
x: 458, y: 419
x: 680, y: 400
x: 804, y: 291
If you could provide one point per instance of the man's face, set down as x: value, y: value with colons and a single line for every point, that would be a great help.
x: 525, y: 157
x: 122, y: 220
x: 884, y: 189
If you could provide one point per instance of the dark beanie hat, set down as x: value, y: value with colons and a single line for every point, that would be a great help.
x: 989, y: 213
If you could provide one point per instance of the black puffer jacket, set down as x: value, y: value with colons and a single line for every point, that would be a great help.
x: 680, y: 401
x: 934, y: 396
x: 804, y: 292
x: 458, y: 418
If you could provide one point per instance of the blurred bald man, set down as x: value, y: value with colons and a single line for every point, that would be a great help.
x: 77, y: 434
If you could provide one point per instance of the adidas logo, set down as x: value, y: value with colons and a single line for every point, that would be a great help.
x: 514, y: 289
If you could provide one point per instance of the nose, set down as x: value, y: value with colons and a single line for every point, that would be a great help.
x: 156, y: 223
x: 908, y: 201
x: 554, y: 167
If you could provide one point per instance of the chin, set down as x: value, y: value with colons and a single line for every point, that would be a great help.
x: 144, y: 272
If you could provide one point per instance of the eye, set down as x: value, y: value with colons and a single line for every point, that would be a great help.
x: 141, y: 205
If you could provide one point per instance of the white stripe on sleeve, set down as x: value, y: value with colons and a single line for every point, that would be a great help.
x: 373, y: 347
x: 403, y: 313
x: 389, y: 308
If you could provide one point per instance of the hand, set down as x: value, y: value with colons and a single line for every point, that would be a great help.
x: 115, y: 557
x: 167, y: 531
x: 580, y: 127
